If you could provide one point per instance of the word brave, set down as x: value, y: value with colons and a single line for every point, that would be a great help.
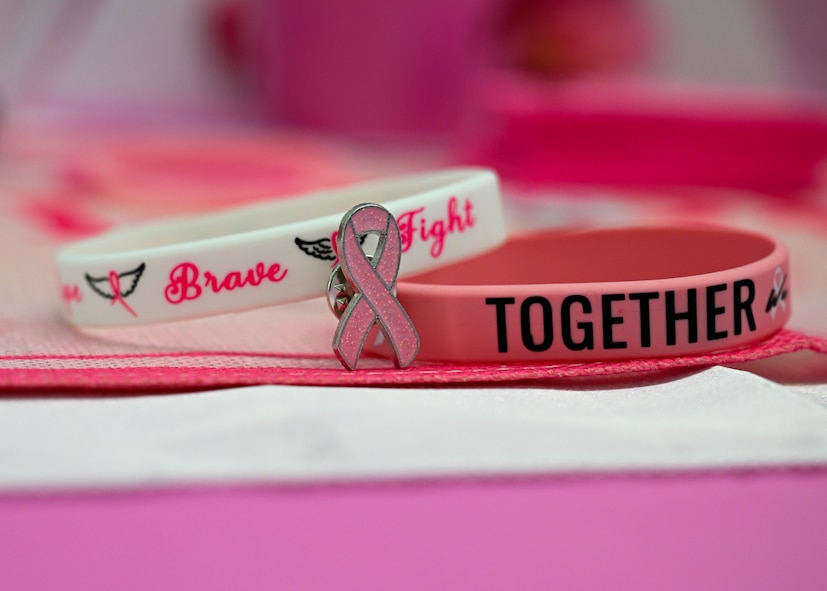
x: 722, y: 313
x: 413, y: 225
x: 186, y: 283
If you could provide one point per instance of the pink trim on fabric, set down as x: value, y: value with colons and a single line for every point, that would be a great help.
x: 379, y: 373
x: 169, y: 355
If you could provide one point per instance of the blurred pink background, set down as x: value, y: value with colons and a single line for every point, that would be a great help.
x: 610, y: 92
x: 375, y: 67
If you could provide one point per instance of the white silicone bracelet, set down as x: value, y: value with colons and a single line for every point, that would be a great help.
x: 270, y: 253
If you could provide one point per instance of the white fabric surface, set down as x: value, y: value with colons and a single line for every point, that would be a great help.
x: 711, y: 419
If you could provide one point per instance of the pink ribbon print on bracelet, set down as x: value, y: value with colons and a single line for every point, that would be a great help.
x: 116, y: 286
x: 362, y: 288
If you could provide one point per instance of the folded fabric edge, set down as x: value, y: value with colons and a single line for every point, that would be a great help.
x: 157, y: 379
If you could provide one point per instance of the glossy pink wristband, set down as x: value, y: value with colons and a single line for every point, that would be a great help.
x: 587, y: 295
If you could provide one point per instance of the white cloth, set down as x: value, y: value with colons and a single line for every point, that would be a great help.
x: 715, y: 418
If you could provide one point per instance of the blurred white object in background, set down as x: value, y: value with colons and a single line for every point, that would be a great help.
x: 730, y: 42
x: 110, y: 57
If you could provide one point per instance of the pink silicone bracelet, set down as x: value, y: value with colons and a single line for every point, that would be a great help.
x: 602, y: 294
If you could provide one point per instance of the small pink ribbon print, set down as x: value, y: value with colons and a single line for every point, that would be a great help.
x: 778, y: 295
x: 111, y: 286
x: 373, y: 281
x: 117, y: 296
x: 334, y: 242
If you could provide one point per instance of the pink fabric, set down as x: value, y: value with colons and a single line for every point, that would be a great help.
x: 749, y: 530
x: 175, y: 371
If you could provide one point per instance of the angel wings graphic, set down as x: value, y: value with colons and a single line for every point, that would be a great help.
x: 117, y: 286
x: 324, y: 248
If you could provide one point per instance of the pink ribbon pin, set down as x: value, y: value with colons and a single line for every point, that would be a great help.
x: 373, y: 281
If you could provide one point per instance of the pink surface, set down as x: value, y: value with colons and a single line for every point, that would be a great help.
x: 705, y: 531
x: 626, y: 134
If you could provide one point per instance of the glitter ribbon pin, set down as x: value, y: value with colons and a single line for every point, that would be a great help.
x: 363, y: 287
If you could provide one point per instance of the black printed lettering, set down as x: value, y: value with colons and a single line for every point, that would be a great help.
x: 609, y: 321
x: 743, y: 305
x: 525, y: 323
x: 587, y: 342
x: 713, y: 311
x: 502, y: 333
x: 673, y: 316
x: 645, y: 322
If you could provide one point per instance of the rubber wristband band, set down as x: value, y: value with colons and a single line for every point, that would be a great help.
x: 270, y: 253
x: 602, y: 295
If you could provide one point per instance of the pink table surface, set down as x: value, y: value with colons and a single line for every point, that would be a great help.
x: 749, y: 530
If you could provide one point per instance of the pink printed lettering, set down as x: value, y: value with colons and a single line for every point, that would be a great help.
x: 69, y: 294
x: 407, y: 227
x: 437, y: 232
x: 413, y: 225
x: 183, y: 284
x: 184, y: 281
